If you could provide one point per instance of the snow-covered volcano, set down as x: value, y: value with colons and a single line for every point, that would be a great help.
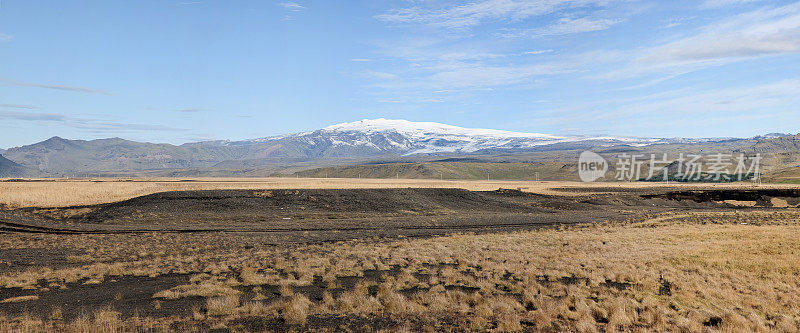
x: 403, y: 137
x: 422, y: 129
x: 430, y: 137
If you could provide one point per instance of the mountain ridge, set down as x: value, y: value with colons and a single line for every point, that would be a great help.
x: 368, y: 138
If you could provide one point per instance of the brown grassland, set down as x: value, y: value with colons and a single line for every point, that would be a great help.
x: 694, y: 271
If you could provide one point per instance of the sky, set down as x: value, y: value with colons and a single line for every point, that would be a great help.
x: 177, y: 71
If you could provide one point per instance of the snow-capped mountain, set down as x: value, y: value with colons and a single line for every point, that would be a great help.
x: 411, y: 138
x: 403, y: 137
x: 420, y: 129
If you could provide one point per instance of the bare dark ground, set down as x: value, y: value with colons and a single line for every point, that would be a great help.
x: 131, y: 295
x: 282, y: 217
x: 415, y: 212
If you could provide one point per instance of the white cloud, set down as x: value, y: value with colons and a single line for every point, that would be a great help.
x: 755, y: 34
x: 474, y: 13
x: 5, y: 37
x: 360, y: 59
x: 758, y: 33
x: 564, y: 26
x: 379, y: 75
x: 537, y: 52
x: 293, y: 6
x: 677, y: 22
x: 442, y: 65
x: 477, y: 60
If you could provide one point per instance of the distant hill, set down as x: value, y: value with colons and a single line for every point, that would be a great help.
x: 9, y: 169
x: 67, y: 156
x: 781, y: 144
x: 450, y: 170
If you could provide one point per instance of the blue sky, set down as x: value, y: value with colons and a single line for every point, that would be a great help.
x: 181, y: 71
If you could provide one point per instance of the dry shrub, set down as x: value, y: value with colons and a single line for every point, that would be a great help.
x: 393, y: 302
x: 620, y: 315
x: 258, y: 309
x: 107, y: 320
x: 295, y: 311
x: 286, y: 289
x: 222, y: 305
x: 251, y: 277
x: 586, y: 324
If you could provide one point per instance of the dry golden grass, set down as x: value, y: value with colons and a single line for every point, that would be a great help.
x: 692, y: 272
x: 222, y: 305
x: 20, y: 299
x: 62, y: 193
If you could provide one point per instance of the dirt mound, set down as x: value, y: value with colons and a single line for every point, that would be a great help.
x: 777, y: 198
x: 263, y: 205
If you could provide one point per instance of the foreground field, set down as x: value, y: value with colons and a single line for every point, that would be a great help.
x: 381, y: 256
x: 692, y: 272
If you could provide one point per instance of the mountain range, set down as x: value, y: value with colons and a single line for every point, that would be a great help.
x: 346, y: 143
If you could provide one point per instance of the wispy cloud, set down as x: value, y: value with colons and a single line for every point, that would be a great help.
x: 360, y: 60
x: 754, y: 34
x: 478, y: 76
x: 53, y: 86
x: 474, y: 13
x: 5, y: 37
x: 454, y: 61
x: 434, y: 65
x: 492, y: 76
x: 564, y: 26
x: 683, y: 107
x: 378, y: 75
x: 90, y: 125
x: 292, y: 6
x: 761, y: 32
x: 537, y: 52
x: 32, y: 116
x: 18, y: 106
x: 675, y: 22
x: 711, y: 4
x: 190, y: 110
x: 111, y: 128
x: 410, y: 100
